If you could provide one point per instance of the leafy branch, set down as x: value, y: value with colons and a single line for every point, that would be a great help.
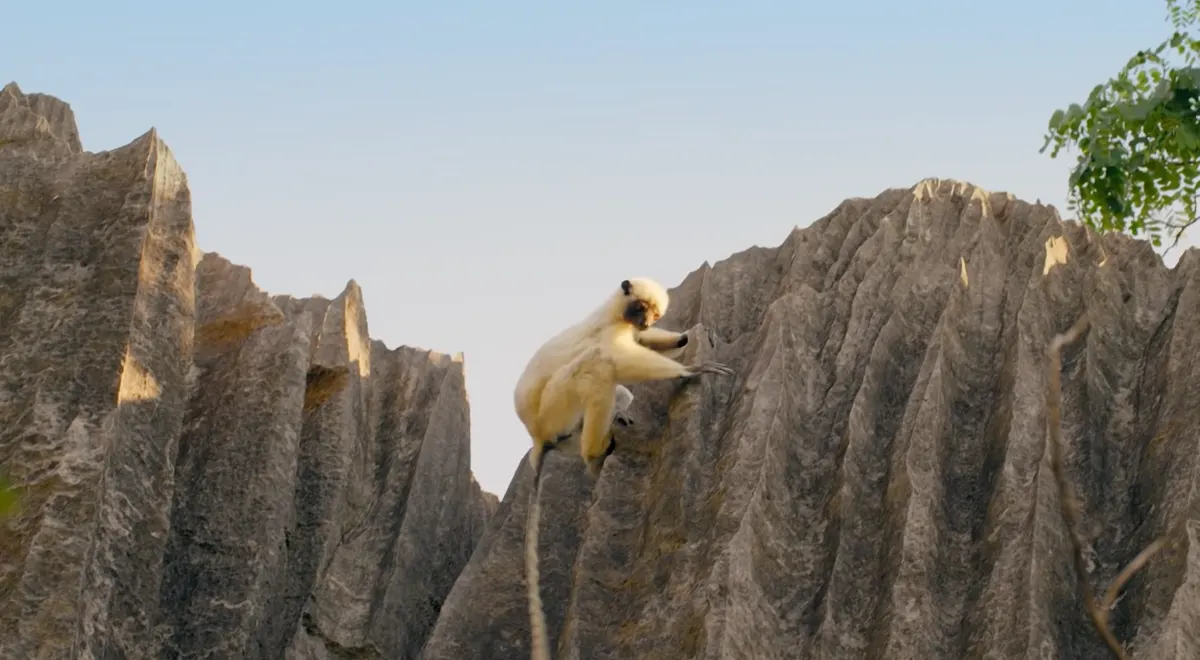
x: 1138, y: 136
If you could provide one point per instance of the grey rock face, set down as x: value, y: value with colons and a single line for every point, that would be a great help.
x: 96, y: 321
x: 874, y: 482
x: 206, y: 471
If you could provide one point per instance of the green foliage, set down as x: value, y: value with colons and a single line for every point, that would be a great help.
x: 8, y: 497
x: 1138, y: 137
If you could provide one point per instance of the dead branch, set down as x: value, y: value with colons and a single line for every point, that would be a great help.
x: 1070, y: 505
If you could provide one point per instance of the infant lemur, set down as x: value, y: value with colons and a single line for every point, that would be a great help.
x: 576, y: 382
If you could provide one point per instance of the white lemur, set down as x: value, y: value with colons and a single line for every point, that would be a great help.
x: 573, y: 382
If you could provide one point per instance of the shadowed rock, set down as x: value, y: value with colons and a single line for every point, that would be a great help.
x: 874, y: 481
x: 205, y: 471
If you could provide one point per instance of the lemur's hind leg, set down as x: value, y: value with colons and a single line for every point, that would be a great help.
x: 622, y: 399
x: 595, y: 439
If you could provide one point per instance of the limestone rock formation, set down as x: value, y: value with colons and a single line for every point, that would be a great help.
x: 206, y: 471
x: 874, y: 482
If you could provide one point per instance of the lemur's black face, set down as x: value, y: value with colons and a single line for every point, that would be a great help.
x: 641, y: 313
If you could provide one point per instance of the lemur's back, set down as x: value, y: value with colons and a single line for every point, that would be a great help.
x: 556, y: 352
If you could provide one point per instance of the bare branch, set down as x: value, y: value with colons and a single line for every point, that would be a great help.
x: 1132, y: 567
x: 1070, y: 505
x: 1178, y: 228
x: 1178, y: 235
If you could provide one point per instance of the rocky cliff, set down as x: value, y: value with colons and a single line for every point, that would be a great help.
x: 205, y: 471
x: 210, y: 472
x: 875, y: 482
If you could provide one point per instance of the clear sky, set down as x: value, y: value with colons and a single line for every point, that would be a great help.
x: 488, y: 172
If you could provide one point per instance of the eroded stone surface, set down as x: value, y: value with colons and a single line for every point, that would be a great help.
x: 212, y: 472
x: 874, y: 482
x: 96, y: 320
x: 208, y: 472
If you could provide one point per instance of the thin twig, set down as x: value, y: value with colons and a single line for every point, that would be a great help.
x: 1066, y: 495
x: 1132, y: 567
x: 1175, y: 242
x: 1178, y: 234
x: 1070, y: 505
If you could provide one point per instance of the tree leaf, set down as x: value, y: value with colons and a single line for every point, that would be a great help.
x: 1056, y: 119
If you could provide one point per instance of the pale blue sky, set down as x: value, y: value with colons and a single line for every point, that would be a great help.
x: 489, y: 171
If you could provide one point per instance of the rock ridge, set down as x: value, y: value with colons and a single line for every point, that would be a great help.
x: 206, y: 471
x: 874, y: 482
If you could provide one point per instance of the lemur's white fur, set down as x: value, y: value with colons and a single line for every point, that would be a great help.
x: 576, y: 382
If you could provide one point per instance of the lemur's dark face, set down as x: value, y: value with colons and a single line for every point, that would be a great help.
x: 641, y: 313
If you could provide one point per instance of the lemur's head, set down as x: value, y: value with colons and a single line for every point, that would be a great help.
x: 644, y: 302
